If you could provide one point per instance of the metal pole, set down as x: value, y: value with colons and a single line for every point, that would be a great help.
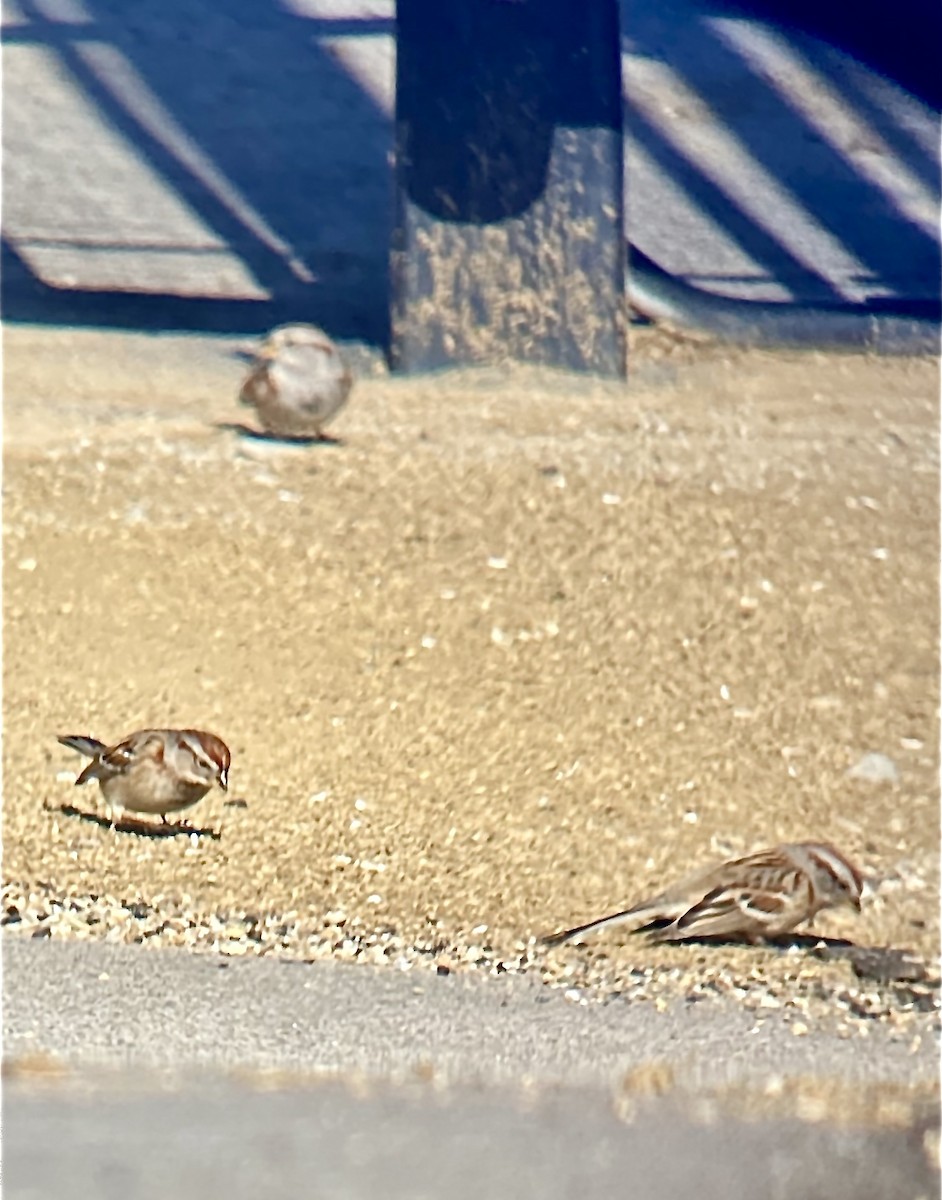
x: 509, y: 232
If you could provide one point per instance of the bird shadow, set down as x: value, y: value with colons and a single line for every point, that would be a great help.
x: 823, y: 947
x: 271, y: 439
x: 880, y: 964
x: 133, y: 826
x: 832, y: 947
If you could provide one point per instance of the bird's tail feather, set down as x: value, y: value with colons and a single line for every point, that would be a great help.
x: 81, y: 742
x: 566, y: 935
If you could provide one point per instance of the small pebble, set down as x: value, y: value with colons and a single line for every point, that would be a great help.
x: 874, y: 767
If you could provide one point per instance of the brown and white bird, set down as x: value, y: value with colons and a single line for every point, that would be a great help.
x: 154, y: 770
x: 749, y: 899
x: 297, y: 383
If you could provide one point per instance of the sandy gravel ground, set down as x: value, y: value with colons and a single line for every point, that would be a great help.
x: 519, y: 650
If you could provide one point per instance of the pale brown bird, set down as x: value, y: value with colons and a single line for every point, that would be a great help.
x: 750, y: 899
x: 297, y: 382
x: 154, y: 770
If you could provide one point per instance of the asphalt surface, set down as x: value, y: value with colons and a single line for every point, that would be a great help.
x: 224, y: 1141
x: 290, y: 1079
x: 114, y: 1005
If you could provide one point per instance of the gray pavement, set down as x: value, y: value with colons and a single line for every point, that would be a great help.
x: 149, y: 1073
x: 219, y: 1141
x: 114, y: 1005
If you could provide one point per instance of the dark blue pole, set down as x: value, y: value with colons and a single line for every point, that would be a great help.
x: 509, y: 234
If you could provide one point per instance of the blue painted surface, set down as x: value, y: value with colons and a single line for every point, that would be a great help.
x: 264, y: 96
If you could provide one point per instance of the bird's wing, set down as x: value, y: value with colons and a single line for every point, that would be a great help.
x: 726, y: 911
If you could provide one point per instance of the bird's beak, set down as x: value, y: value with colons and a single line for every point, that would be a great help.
x: 252, y: 351
x: 870, y: 886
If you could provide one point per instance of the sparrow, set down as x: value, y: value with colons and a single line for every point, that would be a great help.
x: 297, y: 382
x: 761, y: 896
x: 154, y: 770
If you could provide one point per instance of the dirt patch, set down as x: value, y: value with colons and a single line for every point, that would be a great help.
x: 519, y: 651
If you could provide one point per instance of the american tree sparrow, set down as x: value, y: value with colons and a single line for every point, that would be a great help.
x: 760, y: 896
x: 297, y: 382
x: 154, y: 770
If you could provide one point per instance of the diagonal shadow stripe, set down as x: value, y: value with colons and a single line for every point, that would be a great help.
x: 841, y: 201
x: 777, y: 261
x: 347, y: 315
